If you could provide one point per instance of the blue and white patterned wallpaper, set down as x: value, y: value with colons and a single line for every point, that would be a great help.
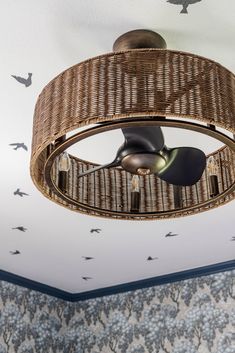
x: 196, y: 315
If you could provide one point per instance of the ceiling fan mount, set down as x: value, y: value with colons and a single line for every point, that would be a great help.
x: 139, y: 38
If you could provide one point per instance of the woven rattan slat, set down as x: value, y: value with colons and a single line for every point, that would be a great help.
x: 126, y: 85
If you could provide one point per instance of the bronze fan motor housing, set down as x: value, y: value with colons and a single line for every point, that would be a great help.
x: 141, y: 84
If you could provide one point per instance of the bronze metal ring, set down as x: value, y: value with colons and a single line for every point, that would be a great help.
x: 82, y: 207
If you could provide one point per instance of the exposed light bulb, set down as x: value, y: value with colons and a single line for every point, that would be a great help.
x: 135, y: 183
x: 64, y: 165
x: 64, y: 162
x: 135, y: 193
x: 213, y: 170
x: 212, y: 166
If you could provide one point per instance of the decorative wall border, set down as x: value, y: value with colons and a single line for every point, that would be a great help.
x: 125, y: 287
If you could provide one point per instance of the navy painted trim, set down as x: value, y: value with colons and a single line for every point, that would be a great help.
x: 145, y: 283
x: 37, y: 286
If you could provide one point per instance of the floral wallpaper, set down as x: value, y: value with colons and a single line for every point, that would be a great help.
x: 196, y: 315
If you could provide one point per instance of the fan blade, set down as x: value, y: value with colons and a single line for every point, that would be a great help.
x: 184, y: 167
x: 92, y: 170
x: 145, y: 138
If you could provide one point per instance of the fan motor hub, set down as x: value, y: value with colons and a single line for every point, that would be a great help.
x: 143, y: 163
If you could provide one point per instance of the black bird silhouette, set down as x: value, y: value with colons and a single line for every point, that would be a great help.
x: 21, y: 228
x: 16, y: 252
x: 88, y: 257
x: 170, y: 234
x: 95, y: 230
x: 19, y: 145
x: 86, y: 278
x: 184, y: 3
x: 25, y: 81
x: 20, y: 193
x: 233, y: 239
x: 150, y: 258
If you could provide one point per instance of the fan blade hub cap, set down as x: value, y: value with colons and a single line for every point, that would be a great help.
x: 143, y: 163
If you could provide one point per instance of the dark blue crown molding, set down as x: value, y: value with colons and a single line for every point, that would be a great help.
x: 145, y: 283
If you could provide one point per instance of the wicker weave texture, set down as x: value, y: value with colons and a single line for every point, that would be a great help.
x: 137, y: 82
x: 109, y: 190
x: 133, y: 83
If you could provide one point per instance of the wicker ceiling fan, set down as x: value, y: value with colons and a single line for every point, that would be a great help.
x: 140, y: 87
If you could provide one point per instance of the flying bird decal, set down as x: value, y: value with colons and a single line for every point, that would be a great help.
x: 95, y: 230
x: 20, y: 193
x: 20, y: 228
x: 170, y: 234
x: 86, y: 278
x: 16, y: 252
x: 25, y: 81
x: 19, y: 145
x: 184, y: 3
x: 150, y: 258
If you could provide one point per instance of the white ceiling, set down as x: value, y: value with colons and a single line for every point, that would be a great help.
x: 45, y: 37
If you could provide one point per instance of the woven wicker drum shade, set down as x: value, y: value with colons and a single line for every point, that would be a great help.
x: 138, y: 86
